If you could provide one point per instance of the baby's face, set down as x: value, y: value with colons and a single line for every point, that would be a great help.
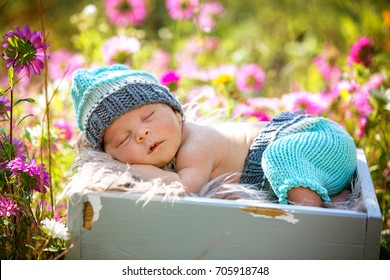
x: 150, y: 134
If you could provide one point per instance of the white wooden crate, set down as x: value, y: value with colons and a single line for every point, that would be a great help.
x: 201, y: 228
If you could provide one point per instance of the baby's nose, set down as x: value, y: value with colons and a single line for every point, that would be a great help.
x: 142, y: 134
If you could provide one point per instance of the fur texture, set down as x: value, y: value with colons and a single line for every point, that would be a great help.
x: 96, y: 171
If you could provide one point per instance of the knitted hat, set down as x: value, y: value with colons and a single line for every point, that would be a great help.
x: 102, y: 95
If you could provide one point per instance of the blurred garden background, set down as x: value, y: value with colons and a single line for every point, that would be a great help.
x: 242, y: 60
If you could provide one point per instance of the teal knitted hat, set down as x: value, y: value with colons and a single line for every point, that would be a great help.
x: 102, y: 95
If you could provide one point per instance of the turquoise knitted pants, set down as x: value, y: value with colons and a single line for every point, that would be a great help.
x: 315, y: 153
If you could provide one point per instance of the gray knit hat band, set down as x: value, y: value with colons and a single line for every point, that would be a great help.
x: 124, y: 100
x: 102, y: 95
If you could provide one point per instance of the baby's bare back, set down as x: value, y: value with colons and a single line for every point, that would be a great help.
x: 223, y: 146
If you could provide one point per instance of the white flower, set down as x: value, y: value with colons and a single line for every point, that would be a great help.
x: 56, y: 229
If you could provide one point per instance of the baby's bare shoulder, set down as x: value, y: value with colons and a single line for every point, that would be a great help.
x: 198, y: 136
x: 242, y: 126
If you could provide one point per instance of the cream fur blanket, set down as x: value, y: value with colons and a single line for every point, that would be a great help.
x: 96, y: 171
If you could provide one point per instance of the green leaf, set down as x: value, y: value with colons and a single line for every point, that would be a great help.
x: 12, y: 42
x: 29, y: 100
x: 11, y: 77
x: 27, y: 134
x: 29, y: 115
x: 3, y: 110
x: 4, y: 132
x: 38, y: 212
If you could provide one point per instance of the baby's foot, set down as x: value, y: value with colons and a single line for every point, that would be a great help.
x: 341, y: 197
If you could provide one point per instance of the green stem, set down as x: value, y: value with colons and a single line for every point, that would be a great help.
x: 11, y: 117
x: 41, y: 15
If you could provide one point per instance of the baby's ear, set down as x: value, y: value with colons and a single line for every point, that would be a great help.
x: 178, y: 116
x: 82, y: 142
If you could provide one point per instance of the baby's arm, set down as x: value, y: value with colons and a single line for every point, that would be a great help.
x: 191, y: 178
x: 153, y: 172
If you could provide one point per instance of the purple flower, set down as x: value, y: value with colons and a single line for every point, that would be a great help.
x: 8, y: 207
x: 361, y: 52
x: 208, y: 13
x: 118, y: 49
x: 37, y: 172
x: 250, y: 78
x: 24, y: 49
x: 5, y: 101
x: 181, y: 9
x: 16, y: 166
x: 125, y: 12
x: 20, y: 148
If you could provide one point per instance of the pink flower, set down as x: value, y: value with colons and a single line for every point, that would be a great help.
x: 250, y: 78
x: 159, y: 62
x: 24, y: 49
x: 64, y: 128
x: 60, y: 213
x: 125, y: 12
x: 259, y: 115
x: 59, y: 209
x: 257, y: 107
x: 205, y: 99
x: 361, y: 102
x: 63, y: 63
x: 37, y: 172
x: 362, y: 127
x: 361, y: 52
x: 374, y: 82
x: 8, y: 207
x: 208, y: 14
x: 169, y: 77
x: 327, y: 66
x: 359, y: 95
x: 181, y: 9
x: 118, y: 49
x: 313, y: 104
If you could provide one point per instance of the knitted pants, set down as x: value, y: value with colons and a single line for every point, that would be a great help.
x: 302, y: 151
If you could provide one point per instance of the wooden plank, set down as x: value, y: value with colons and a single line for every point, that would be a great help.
x: 374, y: 216
x: 194, y: 228
x: 74, y: 223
